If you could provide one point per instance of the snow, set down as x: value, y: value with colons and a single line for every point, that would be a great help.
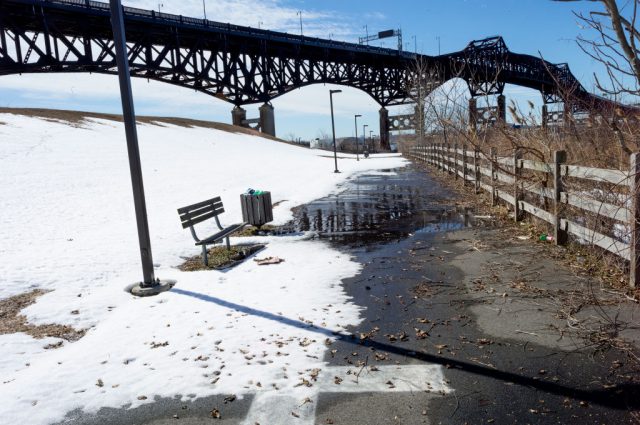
x: 68, y: 226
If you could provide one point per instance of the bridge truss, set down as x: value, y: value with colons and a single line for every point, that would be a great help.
x: 244, y: 65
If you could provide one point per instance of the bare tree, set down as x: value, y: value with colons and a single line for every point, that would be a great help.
x: 614, y: 45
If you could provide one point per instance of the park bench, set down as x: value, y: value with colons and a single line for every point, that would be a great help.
x: 202, y: 211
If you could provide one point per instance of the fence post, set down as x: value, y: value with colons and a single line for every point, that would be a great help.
x: 449, y: 157
x: 440, y: 156
x: 494, y: 158
x: 445, y: 154
x: 634, y: 247
x: 464, y: 164
x: 455, y: 160
x: 516, y: 181
x: 559, y: 158
x: 476, y: 169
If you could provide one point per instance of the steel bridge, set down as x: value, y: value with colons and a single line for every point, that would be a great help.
x: 244, y: 65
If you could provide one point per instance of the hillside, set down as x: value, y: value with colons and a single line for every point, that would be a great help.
x: 69, y: 233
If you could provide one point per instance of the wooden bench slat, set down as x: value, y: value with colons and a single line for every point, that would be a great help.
x: 199, y: 204
x: 190, y: 215
x: 200, y: 219
x: 221, y: 234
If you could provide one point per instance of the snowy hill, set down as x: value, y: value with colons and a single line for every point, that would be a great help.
x: 68, y: 226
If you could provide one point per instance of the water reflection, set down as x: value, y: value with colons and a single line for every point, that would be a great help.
x: 373, y: 208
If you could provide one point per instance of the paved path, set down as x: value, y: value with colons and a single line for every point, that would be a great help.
x: 460, y: 327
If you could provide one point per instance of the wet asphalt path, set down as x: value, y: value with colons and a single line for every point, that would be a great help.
x: 418, y: 326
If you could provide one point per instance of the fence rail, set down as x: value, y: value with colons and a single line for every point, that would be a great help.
x: 502, y: 178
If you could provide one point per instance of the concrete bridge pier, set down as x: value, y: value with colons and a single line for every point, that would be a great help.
x: 473, y: 114
x: 502, y: 109
x: 239, y: 117
x: 384, y: 129
x: 267, y: 120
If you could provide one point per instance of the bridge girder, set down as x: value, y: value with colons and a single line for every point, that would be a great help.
x: 244, y: 65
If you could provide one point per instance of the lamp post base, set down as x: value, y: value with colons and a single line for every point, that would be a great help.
x: 336, y: 171
x: 141, y: 290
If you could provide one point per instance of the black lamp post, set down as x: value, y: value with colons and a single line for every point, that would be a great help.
x: 357, y: 144
x: 371, y: 140
x: 149, y: 285
x: 333, y: 128
x: 364, y: 136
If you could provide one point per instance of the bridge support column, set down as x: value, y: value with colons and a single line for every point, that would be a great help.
x: 545, y: 112
x: 473, y: 115
x: 502, y: 109
x: 267, y: 120
x: 384, y: 129
x: 420, y: 127
x: 239, y: 116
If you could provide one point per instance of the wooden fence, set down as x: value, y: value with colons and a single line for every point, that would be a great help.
x: 502, y: 178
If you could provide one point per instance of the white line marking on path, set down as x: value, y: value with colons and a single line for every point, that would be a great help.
x: 273, y: 407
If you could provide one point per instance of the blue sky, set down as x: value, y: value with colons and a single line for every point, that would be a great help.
x: 536, y: 27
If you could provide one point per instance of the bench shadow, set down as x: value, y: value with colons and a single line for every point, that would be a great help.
x: 621, y: 397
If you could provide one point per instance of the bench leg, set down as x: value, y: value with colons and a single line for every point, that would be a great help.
x: 205, y: 260
x: 228, y: 244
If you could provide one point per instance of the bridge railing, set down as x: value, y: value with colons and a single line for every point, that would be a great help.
x: 566, y: 197
x: 274, y: 35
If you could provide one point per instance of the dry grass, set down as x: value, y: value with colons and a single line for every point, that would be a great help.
x: 255, y: 231
x: 78, y: 118
x: 11, y: 321
x: 220, y: 257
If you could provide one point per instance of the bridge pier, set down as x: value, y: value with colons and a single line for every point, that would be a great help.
x: 419, y: 120
x: 487, y: 115
x: 384, y: 129
x: 502, y: 109
x: 473, y: 114
x: 239, y: 117
x: 267, y: 120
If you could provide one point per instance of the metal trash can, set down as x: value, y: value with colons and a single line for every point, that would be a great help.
x: 256, y: 209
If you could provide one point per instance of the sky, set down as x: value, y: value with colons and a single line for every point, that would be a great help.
x: 538, y: 27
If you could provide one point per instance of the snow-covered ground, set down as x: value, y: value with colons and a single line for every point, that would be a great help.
x: 67, y: 225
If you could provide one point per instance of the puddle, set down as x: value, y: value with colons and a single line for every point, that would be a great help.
x: 381, y: 206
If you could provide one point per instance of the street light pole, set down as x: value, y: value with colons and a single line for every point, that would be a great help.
x: 364, y: 136
x: 371, y: 139
x: 357, y: 144
x: 300, y: 14
x: 204, y: 10
x: 333, y: 128
x: 150, y: 285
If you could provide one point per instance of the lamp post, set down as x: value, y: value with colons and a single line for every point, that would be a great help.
x: 204, y: 10
x: 299, y: 13
x: 371, y: 139
x: 357, y: 144
x: 149, y: 285
x: 364, y: 136
x: 333, y: 128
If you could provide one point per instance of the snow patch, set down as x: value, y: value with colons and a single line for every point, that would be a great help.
x: 69, y: 226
